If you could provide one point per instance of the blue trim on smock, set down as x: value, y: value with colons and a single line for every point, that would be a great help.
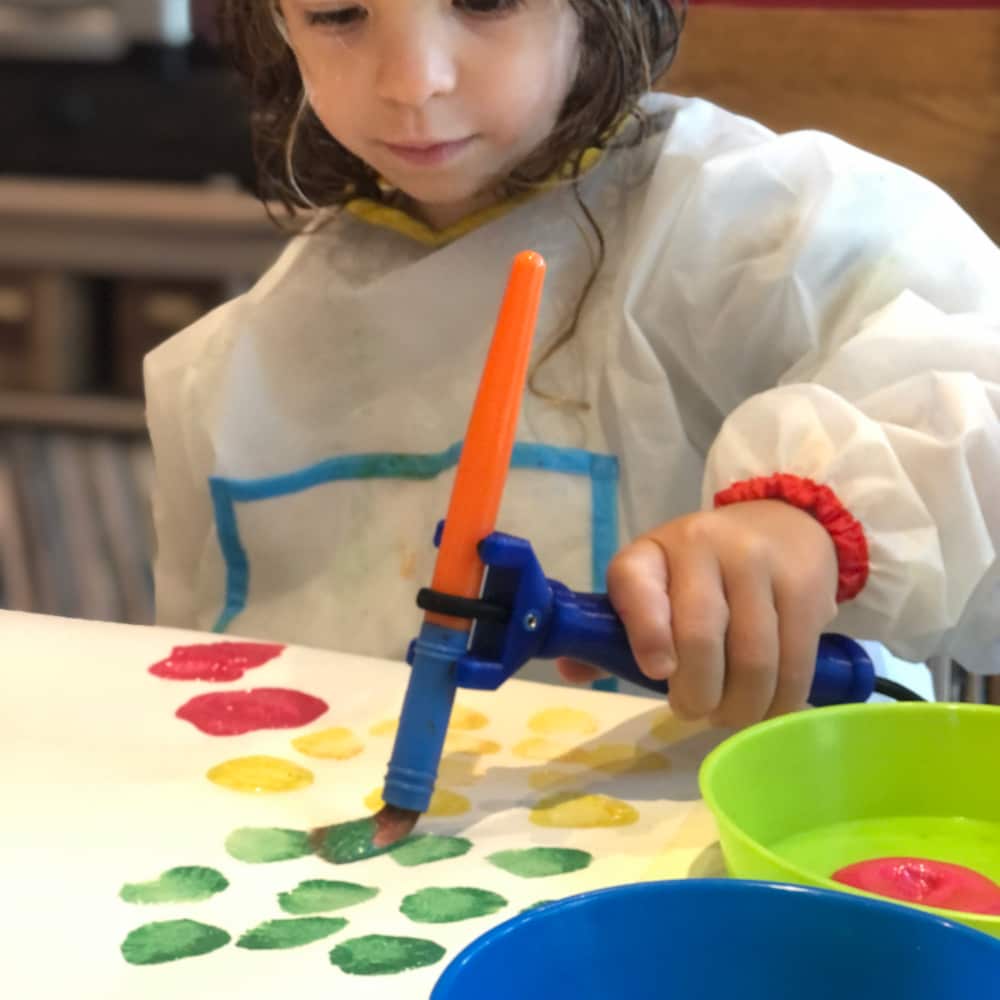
x: 602, y: 470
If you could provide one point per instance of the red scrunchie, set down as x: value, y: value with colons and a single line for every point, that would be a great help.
x: 820, y: 501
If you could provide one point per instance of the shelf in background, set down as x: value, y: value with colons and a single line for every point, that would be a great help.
x: 131, y: 228
x: 110, y: 414
x: 128, y: 231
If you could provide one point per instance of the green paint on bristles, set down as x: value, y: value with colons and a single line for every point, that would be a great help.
x: 344, y: 843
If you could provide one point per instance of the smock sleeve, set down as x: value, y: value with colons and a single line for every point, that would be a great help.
x: 843, y: 315
x: 182, y: 455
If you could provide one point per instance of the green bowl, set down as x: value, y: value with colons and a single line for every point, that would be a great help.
x: 799, y: 797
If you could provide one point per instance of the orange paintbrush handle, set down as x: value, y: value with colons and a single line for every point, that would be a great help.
x: 489, y: 439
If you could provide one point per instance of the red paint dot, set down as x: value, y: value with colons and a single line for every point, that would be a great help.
x: 929, y: 883
x: 214, y: 661
x: 230, y: 713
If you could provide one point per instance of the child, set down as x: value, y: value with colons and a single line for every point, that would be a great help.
x: 767, y: 364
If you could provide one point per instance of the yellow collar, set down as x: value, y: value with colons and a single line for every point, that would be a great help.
x: 379, y: 214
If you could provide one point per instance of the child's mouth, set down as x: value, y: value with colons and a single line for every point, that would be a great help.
x: 429, y: 153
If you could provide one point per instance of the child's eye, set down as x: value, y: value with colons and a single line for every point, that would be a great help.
x: 338, y: 17
x: 487, y: 8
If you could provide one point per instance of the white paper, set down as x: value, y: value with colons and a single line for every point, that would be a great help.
x: 105, y: 786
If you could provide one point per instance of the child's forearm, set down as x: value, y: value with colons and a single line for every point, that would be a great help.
x: 913, y: 455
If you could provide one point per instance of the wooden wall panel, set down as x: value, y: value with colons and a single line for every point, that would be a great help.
x: 921, y: 87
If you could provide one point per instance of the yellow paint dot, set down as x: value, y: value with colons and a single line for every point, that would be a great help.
x: 583, y: 811
x: 443, y: 803
x: 667, y: 728
x: 330, y: 744
x: 536, y: 748
x: 539, y: 748
x: 562, y: 720
x: 466, y: 744
x: 646, y: 762
x: 619, y: 758
x: 460, y: 770
x: 467, y: 718
x: 545, y: 778
x: 260, y: 774
x: 610, y: 756
x: 461, y: 719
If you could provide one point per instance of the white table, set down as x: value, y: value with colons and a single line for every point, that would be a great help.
x: 106, y: 787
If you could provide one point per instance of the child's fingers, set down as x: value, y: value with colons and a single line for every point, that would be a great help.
x: 752, y: 651
x: 637, y: 589
x: 699, y: 619
x: 799, y: 641
x: 576, y: 672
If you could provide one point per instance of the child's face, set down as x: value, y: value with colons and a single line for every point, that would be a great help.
x: 443, y: 98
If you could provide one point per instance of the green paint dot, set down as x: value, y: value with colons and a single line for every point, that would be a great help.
x: 428, y: 847
x: 290, y: 933
x: 445, y: 906
x: 378, y: 955
x: 319, y: 896
x: 343, y: 843
x: 538, y: 862
x: 178, y: 885
x: 263, y: 844
x: 170, y: 940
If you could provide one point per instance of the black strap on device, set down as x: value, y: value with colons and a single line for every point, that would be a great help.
x: 461, y: 607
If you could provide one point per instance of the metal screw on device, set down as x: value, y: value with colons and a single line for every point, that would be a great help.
x: 531, y: 621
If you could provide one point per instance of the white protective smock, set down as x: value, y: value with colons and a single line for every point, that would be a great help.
x: 767, y: 304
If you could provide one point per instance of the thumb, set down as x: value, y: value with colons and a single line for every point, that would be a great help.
x: 576, y: 672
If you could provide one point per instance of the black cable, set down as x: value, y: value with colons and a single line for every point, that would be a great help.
x: 893, y: 690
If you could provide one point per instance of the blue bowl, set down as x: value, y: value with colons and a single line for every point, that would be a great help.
x: 706, y: 939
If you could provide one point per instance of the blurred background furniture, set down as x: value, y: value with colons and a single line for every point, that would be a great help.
x: 126, y: 211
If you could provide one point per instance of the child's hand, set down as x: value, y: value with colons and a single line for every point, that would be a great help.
x: 728, y: 605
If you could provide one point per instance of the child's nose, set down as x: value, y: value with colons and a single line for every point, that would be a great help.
x: 414, y: 67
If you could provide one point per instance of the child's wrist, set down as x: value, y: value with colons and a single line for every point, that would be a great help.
x: 822, y: 503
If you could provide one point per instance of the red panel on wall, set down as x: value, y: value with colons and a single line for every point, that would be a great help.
x: 857, y: 4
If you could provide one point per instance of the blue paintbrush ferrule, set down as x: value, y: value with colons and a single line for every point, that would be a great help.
x: 423, y: 722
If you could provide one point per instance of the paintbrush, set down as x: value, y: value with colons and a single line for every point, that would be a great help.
x: 457, y: 579
x: 495, y: 581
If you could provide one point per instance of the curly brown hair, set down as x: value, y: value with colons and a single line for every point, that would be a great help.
x: 625, y: 46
